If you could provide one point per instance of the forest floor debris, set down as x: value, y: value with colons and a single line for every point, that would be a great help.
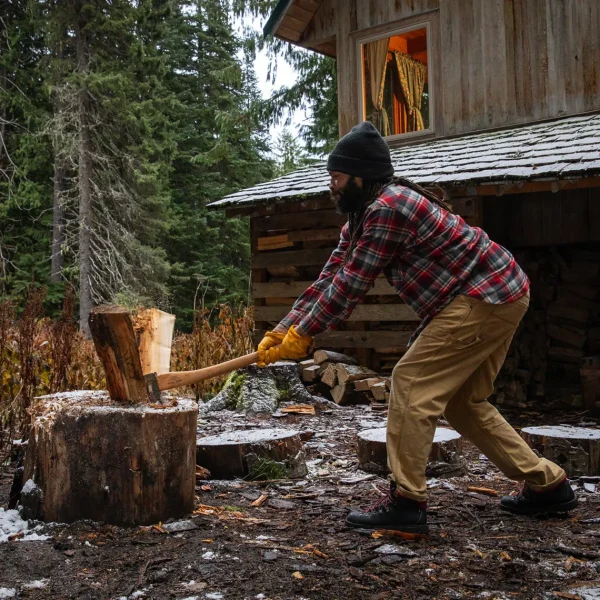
x: 286, y: 539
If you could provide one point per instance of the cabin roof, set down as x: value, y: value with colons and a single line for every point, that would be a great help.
x: 290, y: 20
x: 565, y: 149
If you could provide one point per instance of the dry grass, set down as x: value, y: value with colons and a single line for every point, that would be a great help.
x: 39, y: 356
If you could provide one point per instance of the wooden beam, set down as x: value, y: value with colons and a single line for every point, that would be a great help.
x: 310, y: 219
x: 363, y: 312
x: 355, y: 339
x: 554, y: 185
x: 296, y: 288
x: 293, y: 258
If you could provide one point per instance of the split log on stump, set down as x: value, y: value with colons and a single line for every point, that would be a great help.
x: 445, y: 459
x: 116, y: 346
x: 575, y: 449
x: 226, y: 456
x: 154, y: 329
x: 124, y: 465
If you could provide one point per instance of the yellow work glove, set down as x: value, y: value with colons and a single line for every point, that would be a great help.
x: 271, y: 339
x: 293, y: 347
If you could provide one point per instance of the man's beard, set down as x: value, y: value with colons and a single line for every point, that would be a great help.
x: 350, y: 198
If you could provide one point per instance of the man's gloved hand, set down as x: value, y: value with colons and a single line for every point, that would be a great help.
x: 271, y: 339
x: 293, y: 347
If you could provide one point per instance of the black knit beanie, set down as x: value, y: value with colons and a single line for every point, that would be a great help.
x: 362, y: 153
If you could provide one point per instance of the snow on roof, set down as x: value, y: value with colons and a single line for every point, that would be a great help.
x: 568, y: 148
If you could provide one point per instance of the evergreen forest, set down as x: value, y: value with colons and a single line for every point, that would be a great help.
x: 120, y: 121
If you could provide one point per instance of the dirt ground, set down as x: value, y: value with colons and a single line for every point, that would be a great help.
x: 294, y: 543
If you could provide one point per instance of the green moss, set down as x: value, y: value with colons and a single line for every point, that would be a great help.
x: 234, y: 385
x: 265, y: 469
x: 284, y: 395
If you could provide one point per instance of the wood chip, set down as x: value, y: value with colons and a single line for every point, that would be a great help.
x: 297, y: 575
x: 481, y: 490
x: 300, y: 409
x: 262, y: 498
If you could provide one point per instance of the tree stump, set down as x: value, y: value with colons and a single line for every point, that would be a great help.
x: 575, y: 449
x: 275, y: 452
x: 124, y: 465
x: 445, y: 459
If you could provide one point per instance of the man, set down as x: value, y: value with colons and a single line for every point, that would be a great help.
x: 471, y: 295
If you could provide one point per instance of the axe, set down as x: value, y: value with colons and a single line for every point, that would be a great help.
x: 115, y: 342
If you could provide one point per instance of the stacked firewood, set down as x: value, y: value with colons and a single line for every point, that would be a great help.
x: 344, y: 380
x: 560, y: 331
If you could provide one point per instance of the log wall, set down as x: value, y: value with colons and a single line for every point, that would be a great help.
x: 496, y: 62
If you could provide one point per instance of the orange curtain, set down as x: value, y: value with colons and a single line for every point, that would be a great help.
x: 413, y: 75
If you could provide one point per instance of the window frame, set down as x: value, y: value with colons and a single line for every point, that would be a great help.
x: 391, y: 32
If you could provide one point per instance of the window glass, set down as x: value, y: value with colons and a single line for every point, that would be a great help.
x: 396, y: 83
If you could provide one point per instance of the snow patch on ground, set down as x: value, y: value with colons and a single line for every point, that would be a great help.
x: 36, y: 585
x: 591, y: 593
x: 7, y: 592
x: 11, y: 523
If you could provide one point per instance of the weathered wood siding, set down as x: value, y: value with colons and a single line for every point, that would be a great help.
x: 501, y: 62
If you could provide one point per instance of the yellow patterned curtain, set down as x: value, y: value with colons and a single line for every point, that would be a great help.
x: 376, y: 57
x: 413, y: 75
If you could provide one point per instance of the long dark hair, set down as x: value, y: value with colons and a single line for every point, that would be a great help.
x: 372, y: 190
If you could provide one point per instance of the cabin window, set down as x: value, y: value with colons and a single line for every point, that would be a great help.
x: 395, y: 91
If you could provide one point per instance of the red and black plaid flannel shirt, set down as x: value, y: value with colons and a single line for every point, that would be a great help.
x: 428, y: 254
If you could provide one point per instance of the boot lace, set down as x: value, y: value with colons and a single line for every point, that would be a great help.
x: 382, y: 503
x: 523, y: 492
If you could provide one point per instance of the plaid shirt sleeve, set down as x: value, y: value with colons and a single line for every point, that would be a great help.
x: 305, y: 302
x: 384, y: 230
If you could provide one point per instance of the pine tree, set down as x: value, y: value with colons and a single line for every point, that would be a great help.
x: 315, y: 88
x: 25, y: 173
x: 115, y: 141
x: 220, y: 149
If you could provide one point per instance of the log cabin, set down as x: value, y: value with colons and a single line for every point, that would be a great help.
x: 497, y: 104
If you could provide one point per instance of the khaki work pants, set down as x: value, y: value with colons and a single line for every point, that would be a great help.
x: 450, y: 370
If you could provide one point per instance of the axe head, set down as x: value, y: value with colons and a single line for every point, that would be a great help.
x: 152, y: 388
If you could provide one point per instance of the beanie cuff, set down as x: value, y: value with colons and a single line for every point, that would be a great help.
x: 366, y: 169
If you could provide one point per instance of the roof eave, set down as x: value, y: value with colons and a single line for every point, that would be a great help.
x: 276, y: 17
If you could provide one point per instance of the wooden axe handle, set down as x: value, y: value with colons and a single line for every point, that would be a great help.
x: 168, y: 381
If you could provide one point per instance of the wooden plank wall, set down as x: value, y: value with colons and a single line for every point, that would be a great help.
x: 289, y: 249
x: 502, y: 62
x: 544, y: 218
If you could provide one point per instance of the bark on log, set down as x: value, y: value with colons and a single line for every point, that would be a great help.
x: 321, y: 356
x: 122, y: 465
x: 445, y: 457
x: 345, y: 394
x: 575, y: 449
x: 348, y: 373
x: 225, y: 455
x: 114, y: 339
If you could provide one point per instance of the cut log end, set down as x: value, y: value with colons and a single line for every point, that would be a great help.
x: 575, y: 449
x: 261, y: 453
x: 445, y: 459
